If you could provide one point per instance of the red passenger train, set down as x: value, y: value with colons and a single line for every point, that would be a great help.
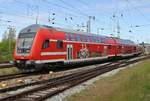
x: 39, y: 45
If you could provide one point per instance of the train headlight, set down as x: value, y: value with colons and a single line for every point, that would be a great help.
x: 18, y: 61
x: 27, y: 51
x: 28, y: 62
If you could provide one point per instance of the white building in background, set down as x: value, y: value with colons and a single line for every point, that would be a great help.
x: 147, y: 49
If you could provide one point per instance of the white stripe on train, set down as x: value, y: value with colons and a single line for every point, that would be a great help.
x: 53, y: 53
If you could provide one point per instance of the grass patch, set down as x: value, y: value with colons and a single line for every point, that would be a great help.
x: 6, y: 71
x: 132, y: 84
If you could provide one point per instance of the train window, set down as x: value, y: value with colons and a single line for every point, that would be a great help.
x: 78, y: 37
x: 46, y: 44
x: 82, y: 37
x: 59, y: 44
x: 85, y: 39
x: 102, y: 40
x: 88, y: 38
x: 93, y: 39
x: 72, y: 37
x: 67, y: 37
x: 99, y: 40
x: 75, y: 38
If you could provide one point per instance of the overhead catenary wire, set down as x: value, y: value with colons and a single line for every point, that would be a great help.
x: 70, y: 8
x: 83, y: 2
x: 74, y: 8
x: 54, y: 4
x: 64, y: 7
x: 46, y: 6
x: 30, y: 17
x: 127, y: 23
x: 58, y: 14
x: 75, y: 14
x: 140, y: 12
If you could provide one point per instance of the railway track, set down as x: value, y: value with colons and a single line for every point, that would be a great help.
x: 25, y: 74
x: 45, y: 89
x: 66, y: 72
x: 4, y: 62
x: 6, y: 65
x: 13, y: 76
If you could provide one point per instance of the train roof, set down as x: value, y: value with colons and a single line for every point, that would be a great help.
x: 125, y: 41
x: 35, y: 27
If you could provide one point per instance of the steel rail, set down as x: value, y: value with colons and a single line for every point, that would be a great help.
x: 67, y: 81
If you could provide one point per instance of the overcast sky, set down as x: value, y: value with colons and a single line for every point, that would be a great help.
x: 133, y: 16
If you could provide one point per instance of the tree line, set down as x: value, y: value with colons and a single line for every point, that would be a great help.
x: 7, y: 44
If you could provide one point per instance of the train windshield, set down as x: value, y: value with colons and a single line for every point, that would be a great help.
x: 25, y: 41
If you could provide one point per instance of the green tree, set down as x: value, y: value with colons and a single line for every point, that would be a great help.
x: 7, y: 45
x: 5, y: 36
x: 11, y: 33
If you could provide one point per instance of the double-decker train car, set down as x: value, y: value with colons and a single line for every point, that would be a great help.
x: 40, y: 45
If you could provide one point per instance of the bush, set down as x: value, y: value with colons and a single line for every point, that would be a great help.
x: 6, y: 50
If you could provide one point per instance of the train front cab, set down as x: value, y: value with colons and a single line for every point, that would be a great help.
x: 27, y: 50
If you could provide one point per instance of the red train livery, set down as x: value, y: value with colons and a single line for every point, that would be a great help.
x: 39, y: 44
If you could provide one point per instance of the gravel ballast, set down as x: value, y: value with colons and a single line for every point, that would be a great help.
x: 85, y: 85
